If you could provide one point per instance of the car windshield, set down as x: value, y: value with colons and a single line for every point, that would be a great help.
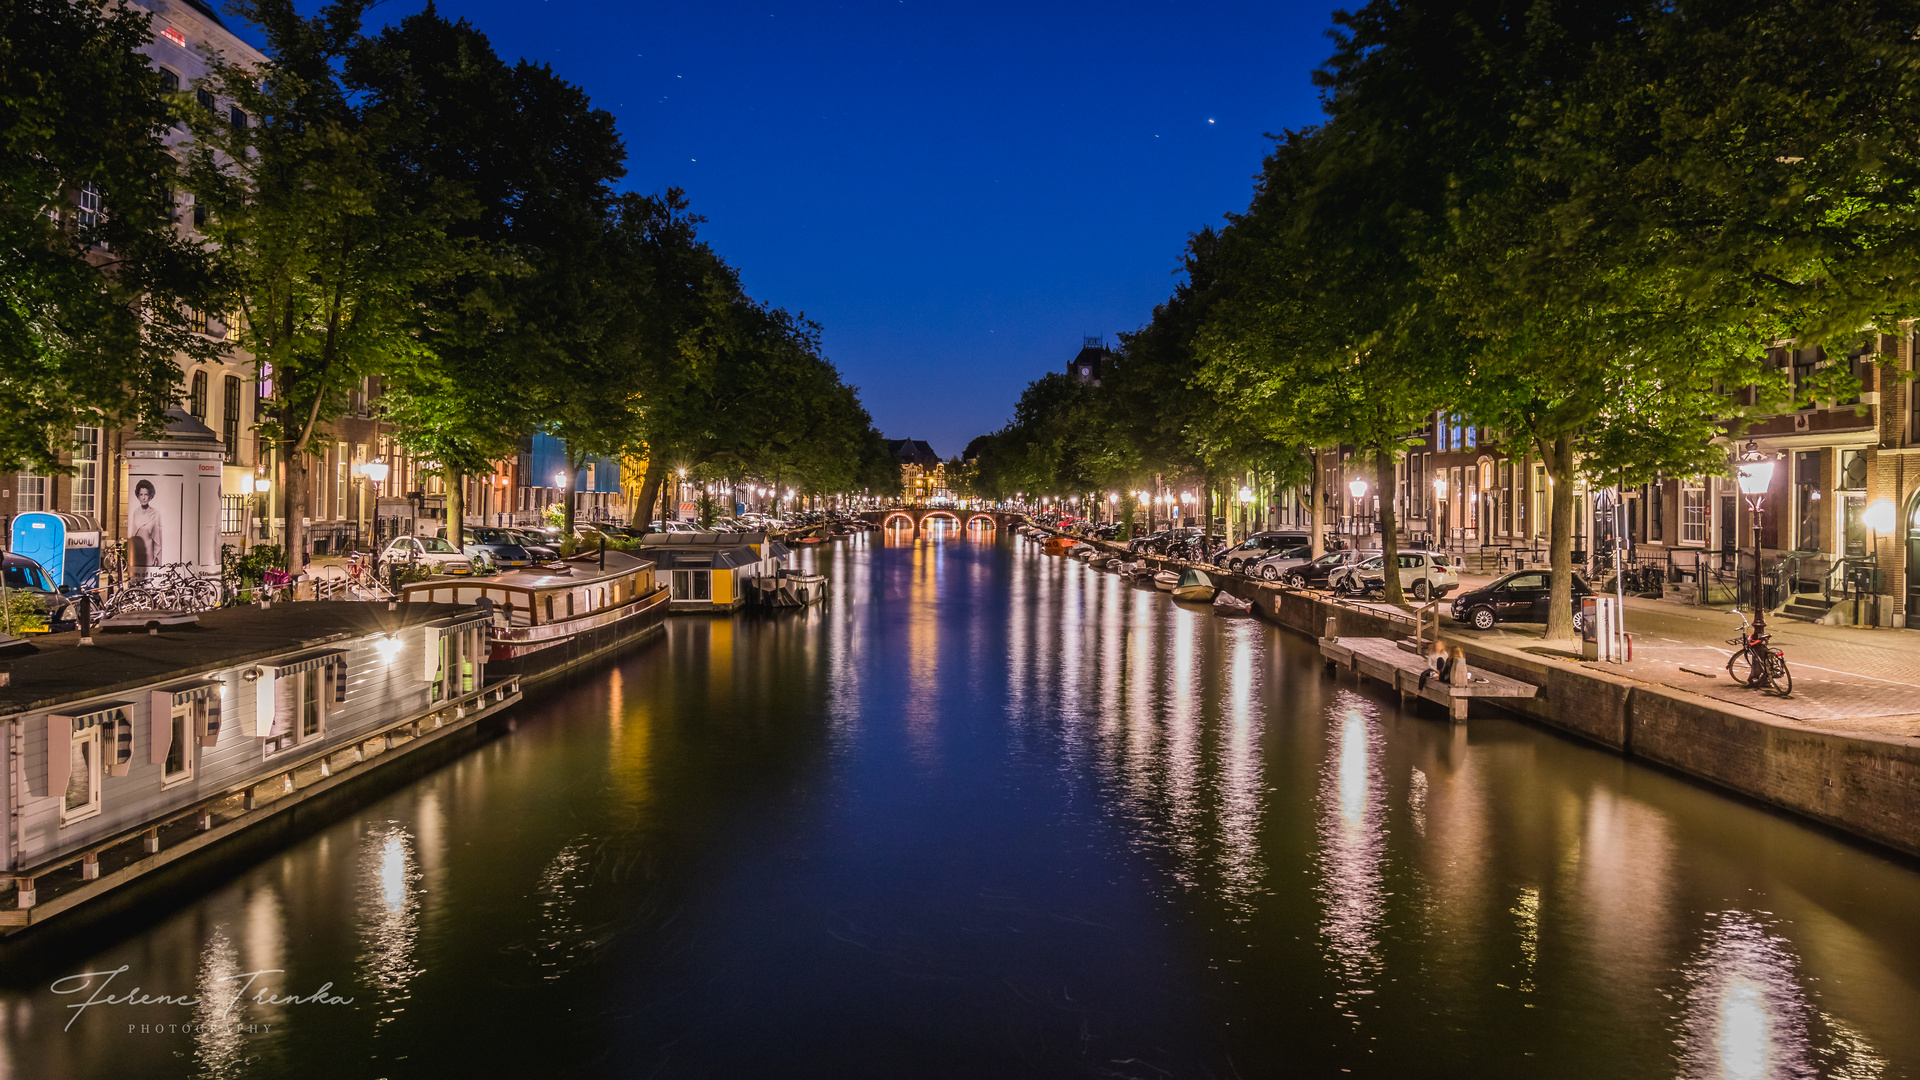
x: 1374, y: 563
x: 1331, y: 558
x: 437, y: 546
x: 490, y: 536
x: 27, y: 577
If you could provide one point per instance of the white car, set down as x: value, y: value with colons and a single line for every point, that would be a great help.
x: 1277, y: 566
x: 431, y: 551
x: 1423, y: 574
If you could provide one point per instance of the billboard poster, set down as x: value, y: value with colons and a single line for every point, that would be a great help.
x: 173, y: 514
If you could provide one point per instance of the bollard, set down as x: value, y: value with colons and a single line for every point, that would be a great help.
x: 25, y: 896
x: 150, y: 843
x: 90, y: 866
x: 86, y: 619
x: 1333, y: 628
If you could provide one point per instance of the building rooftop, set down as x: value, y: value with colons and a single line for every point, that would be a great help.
x: 913, y: 452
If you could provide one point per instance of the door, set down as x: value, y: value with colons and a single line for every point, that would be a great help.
x: 1525, y: 598
x: 1729, y: 531
x: 1913, y: 560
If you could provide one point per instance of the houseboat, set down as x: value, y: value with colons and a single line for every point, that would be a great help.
x: 711, y: 571
x: 143, y: 749
x: 542, y: 621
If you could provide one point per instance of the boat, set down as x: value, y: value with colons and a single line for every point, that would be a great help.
x: 786, y: 590
x: 1165, y: 580
x: 543, y: 622
x: 1225, y: 603
x: 1059, y: 545
x: 1195, y: 585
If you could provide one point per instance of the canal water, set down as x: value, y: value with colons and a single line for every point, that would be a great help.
x: 993, y: 814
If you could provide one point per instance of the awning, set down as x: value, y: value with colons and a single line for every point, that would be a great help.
x: 306, y: 661
x: 97, y: 714
x: 182, y: 693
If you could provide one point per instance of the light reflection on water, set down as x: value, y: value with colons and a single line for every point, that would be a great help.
x: 1353, y: 841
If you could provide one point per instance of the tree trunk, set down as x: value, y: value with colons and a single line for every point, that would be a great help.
x: 570, y: 494
x: 650, y: 488
x: 1559, y: 461
x: 294, y: 496
x: 1385, y: 483
x: 456, y: 505
x: 1316, y: 511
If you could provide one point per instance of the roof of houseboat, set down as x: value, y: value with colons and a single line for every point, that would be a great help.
x: 55, y: 667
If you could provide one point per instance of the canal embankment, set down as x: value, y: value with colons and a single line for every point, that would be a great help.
x: 1863, y: 783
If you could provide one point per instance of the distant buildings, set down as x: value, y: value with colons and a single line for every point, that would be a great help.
x: 1092, y: 363
x: 923, y: 476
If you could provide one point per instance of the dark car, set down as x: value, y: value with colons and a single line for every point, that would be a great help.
x: 1257, y: 547
x: 26, y: 576
x: 500, y: 547
x: 1314, y: 574
x: 1519, y: 597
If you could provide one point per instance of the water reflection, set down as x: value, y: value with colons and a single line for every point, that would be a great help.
x: 1746, y: 1017
x: 390, y: 927
x: 1353, y: 843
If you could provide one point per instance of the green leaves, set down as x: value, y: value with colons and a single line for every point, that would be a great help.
x: 97, y: 286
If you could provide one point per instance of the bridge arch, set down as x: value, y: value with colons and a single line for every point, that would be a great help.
x: 931, y: 514
x: 903, y: 516
x: 988, y: 518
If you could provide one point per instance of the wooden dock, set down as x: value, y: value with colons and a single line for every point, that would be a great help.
x: 1385, y: 660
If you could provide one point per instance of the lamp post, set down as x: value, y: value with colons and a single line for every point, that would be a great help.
x: 1754, y: 470
x: 1246, y: 496
x: 1357, y: 489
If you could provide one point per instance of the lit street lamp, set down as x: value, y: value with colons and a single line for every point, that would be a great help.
x: 1755, y: 473
x: 1358, y: 489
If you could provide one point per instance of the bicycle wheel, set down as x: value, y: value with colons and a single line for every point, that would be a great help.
x: 1740, y: 668
x: 1782, y: 676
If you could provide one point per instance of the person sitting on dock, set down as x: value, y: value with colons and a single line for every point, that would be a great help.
x: 1439, y: 663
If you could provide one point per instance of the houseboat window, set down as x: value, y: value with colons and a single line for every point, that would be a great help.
x: 311, y: 710
x: 442, y: 649
x: 179, y: 763
x: 83, y: 776
x: 569, y: 605
x: 693, y: 585
x: 549, y: 609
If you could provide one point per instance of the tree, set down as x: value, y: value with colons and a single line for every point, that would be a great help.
x: 328, y: 249
x: 531, y: 164
x: 99, y: 288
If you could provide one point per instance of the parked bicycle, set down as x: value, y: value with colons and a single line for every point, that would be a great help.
x: 1756, y: 663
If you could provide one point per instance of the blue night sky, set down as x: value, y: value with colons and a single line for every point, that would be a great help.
x: 957, y: 193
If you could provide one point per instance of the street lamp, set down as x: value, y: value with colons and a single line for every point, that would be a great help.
x: 1754, y: 471
x: 1358, y: 489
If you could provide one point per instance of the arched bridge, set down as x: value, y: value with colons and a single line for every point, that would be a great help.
x: 918, y: 517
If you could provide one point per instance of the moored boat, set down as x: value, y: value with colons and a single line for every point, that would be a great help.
x: 546, y: 621
x: 1165, y: 580
x: 1225, y: 603
x: 1195, y: 585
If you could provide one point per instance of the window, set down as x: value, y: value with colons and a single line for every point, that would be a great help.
x: 1804, y: 361
x: 230, y: 418
x: 266, y: 378
x: 340, y: 481
x: 205, y: 97
x: 82, y: 797
x: 692, y: 585
x: 88, y: 209
x: 86, y: 471
x: 33, y: 493
x: 199, y: 215
x: 237, y: 117
x: 170, y: 84
x: 179, y: 763
x: 1506, y: 498
x: 1853, y: 470
x: 1656, y: 512
x: 197, y: 390
x: 197, y: 321
x: 312, y: 707
x: 1693, y: 511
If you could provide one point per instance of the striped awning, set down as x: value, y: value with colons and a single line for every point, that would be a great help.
x: 98, y: 713
x: 307, y: 661
x: 193, y: 691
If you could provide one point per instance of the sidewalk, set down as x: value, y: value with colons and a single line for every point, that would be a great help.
x: 1845, y: 678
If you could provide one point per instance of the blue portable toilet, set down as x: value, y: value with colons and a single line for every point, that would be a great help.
x: 67, y: 546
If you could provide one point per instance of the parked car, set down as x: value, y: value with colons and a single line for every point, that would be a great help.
x: 1521, y: 596
x: 1257, y: 547
x: 430, y: 551
x: 1322, y: 572
x: 1278, y: 565
x: 534, y: 544
x: 1422, y: 574
x: 498, y: 546
x: 27, y: 576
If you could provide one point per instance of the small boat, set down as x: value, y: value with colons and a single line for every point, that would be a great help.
x: 1225, y: 603
x: 1195, y: 585
x: 786, y: 590
x: 1165, y: 580
x: 1058, y: 545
